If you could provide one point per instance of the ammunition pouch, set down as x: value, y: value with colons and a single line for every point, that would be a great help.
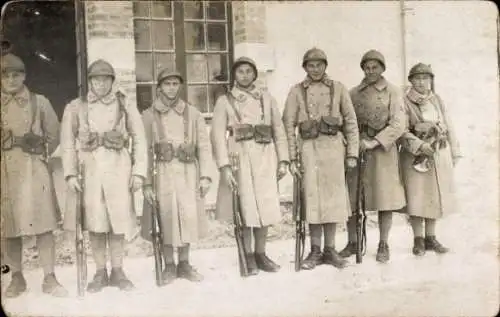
x: 111, y: 140
x: 263, y: 133
x: 329, y: 125
x: 164, y: 151
x: 309, y: 129
x: 242, y: 132
x: 369, y: 131
x: 29, y: 143
x: 186, y: 153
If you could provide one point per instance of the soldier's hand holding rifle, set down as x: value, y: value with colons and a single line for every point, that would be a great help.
x: 136, y: 183
x: 351, y: 162
x: 294, y: 169
x: 281, y: 172
x: 74, y: 184
x: 149, y: 194
x: 227, y: 173
x: 368, y: 144
x: 427, y: 149
x: 204, y: 186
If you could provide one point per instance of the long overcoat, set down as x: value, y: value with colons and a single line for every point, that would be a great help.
x: 380, y: 106
x: 429, y: 194
x: 257, y: 174
x: 107, y: 172
x: 182, y: 210
x: 323, y: 159
x: 28, y: 204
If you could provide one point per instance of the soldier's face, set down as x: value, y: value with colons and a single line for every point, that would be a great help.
x: 170, y: 87
x: 244, y: 75
x: 101, y: 85
x: 315, y: 69
x: 373, y: 71
x: 12, y: 81
x: 421, y: 83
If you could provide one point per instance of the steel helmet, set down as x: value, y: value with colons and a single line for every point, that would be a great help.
x: 314, y: 54
x: 101, y: 68
x: 11, y: 62
x: 244, y: 60
x: 166, y: 73
x: 373, y: 55
x: 420, y: 68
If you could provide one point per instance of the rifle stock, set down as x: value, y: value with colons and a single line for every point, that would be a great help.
x: 156, y: 233
x: 81, y: 255
x: 299, y: 217
x: 360, y: 210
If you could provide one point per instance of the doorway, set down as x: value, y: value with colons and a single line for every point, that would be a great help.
x: 42, y: 34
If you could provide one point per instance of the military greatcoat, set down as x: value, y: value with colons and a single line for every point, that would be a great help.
x: 257, y: 174
x: 29, y: 205
x: 107, y: 172
x: 323, y: 158
x: 379, y: 109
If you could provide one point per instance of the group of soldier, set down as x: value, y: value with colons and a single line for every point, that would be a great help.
x: 323, y: 124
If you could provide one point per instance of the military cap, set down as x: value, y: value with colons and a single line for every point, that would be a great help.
x: 244, y: 60
x: 314, y: 54
x: 11, y: 62
x: 166, y: 73
x: 420, y: 68
x: 101, y: 68
x: 373, y: 55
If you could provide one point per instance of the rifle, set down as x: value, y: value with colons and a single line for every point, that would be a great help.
x: 360, y: 210
x: 299, y: 217
x: 238, y: 221
x: 81, y: 255
x: 156, y: 233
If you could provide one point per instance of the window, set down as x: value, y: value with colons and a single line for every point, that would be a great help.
x: 193, y: 37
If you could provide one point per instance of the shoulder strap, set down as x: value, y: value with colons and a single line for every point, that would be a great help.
x: 157, y: 124
x: 332, y: 95
x: 185, y: 116
x: 122, y: 111
x: 34, y: 110
x: 231, y: 100
x: 303, y: 90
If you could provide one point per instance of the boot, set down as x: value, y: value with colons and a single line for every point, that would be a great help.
x: 169, y: 274
x: 253, y: 269
x: 418, y: 246
x: 431, y: 243
x: 17, y: 285
x: 51, y: 286
x: 100, y: 281
x: 265, y: 264
x: 383, y: 254
x: 313, y: 259
x: 119, y: 279
x: 350, y: 249
x: 330, y: 256
x: 186, y: 271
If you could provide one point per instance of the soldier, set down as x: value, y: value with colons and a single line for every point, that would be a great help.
x: 379, y: 109
x: 322, y: 110
x: 179, y: 137
x: 257, y: 137
x: 96, y: 132
x: 430, y: 151
x: 30, y: 133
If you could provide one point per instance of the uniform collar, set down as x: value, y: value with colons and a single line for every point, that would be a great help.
x: 21, y: 98
x: 418, y: 98
x: 108, y: 99
x: 161, y: 107
x: 380, y: 84
x: 241, y: 94
x: 325, y: 80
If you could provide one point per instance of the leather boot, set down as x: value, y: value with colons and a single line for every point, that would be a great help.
x: 313, y: 259
x: 418, y: 246
x: 253, y: 269
x: 186, y: 271
x: 330, y: 256
x: 383, y: 254
x: 169, y: 274
x: 431, y: 243
x: 350, y: 249
x: 265, y: 264
x: 17, y: 285
x: 118, y: 279
x: 100, y: 281
x: 51, y: 286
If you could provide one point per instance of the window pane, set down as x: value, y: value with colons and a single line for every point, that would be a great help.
x: 197, y: 96
x: 216, y: 10
x: 162, y: 9
x: 193, y: 9
x: 218, y: 67
x: 197, y: 68
x: 216, y: 36
x: 164, y: 60
x: 142, y: 35
x: 143, y: 67
x: 194, y: 36
x: 215, y: 91
x: 144, y: 97
x: 163, y: 35
x: 141, y: 9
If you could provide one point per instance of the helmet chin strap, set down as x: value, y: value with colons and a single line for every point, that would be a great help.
x: 247, y: 87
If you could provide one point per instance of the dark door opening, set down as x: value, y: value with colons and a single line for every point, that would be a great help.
x: 42, y: 34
